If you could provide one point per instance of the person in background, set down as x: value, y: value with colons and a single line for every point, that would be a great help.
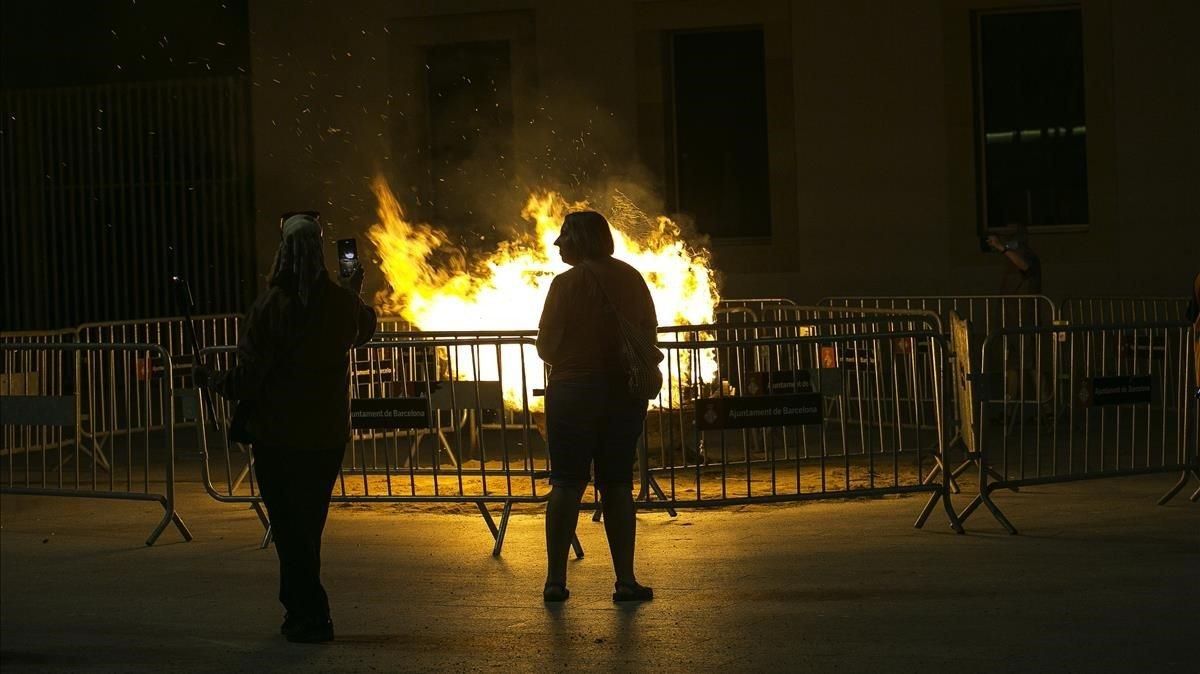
x: 1023, y: 273
x: 1022, y: 276
x: 291, y: 381
x: 592, y: 420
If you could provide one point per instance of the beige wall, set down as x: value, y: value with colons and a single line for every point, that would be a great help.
x: 869, y: 106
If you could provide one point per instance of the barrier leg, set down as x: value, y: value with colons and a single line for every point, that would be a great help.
x: 1183, y: 480
x: 962, y: 468
x: 985, y: 498
x: 169, y: 517
x: 242, y: 475
x: 955, y: 524
x: 256, y: 506
x: 938, y: 467
x: 503, y: 528
x: 577, y: 546
x: 183, y: 528
x: 262, y: 515
x: 991, y: 505
x: 661, y: 495
x: 487, y: 517
x: 445, y: 446
x: 97, y: 454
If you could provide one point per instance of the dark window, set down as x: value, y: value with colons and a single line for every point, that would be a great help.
x: 471, y: 128
x: 720, y: 124
x: 1031, y: 129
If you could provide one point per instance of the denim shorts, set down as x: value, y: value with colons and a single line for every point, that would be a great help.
x: 592, y: 421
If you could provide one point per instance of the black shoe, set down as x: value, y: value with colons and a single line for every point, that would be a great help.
x: 311, y: 633
x: 632, y: 592
x: 555, y: 592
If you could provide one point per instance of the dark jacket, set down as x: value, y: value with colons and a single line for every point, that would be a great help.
x: 292, y: 378
x: 577, y: 335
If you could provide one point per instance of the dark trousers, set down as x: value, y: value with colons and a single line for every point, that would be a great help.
x: 296, y: 486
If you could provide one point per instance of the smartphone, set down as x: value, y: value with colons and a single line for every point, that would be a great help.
x: 347, y: 252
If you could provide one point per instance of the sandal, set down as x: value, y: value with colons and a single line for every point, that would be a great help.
x: 632, y: 592
x: 555, y: 592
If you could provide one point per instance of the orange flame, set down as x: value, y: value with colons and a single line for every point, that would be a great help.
x: 506, y: 289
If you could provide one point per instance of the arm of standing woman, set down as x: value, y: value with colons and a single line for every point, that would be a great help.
x: 255, y: 353
x: 551, y: 332
x: 365, y: 320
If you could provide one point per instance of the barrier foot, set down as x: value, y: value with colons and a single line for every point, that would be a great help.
x: 1183, y: 480
x: 984, y: 498
x: 262, y: 515
x: 950, y: 514
x: 995, y: 475
x: 926, y: 511
x: 966, y: 512
x: 169, y: 517
x: 577, y: 547
x: 242, y: 475
x: 183, y: 528
x: 265, y: 521
x: 662, y: 496
x: 487, y: 517
x: 599, y: 513
x: 503, y: 528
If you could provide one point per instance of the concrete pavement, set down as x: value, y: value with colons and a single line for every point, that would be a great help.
x: 1101, y: 579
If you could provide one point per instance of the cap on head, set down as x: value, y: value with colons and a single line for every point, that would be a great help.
x: 301, y: 223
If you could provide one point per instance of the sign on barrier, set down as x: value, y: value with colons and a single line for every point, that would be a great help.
x: 390, y: 413
x: 1123, y: 390
x: 795, y: 409
x: 34, y: 410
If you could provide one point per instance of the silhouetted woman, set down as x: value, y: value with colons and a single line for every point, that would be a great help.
x: 292, y: 381
x: 592, y: 420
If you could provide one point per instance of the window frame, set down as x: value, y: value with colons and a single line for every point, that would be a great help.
x: 979, y: 140
x: 672, y: 126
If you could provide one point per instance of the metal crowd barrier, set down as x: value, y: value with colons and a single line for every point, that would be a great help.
x: 1109, y: 310
x: 987, y: 313
x: 38, y: 337
x: 41, y: 403
x: 437, y: 420
x: 1078, y: 402
x: 111, y: 404
x: 755, y: 304
x: 806, y: 417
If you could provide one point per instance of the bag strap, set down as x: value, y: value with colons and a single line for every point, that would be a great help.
x: 603, y: 292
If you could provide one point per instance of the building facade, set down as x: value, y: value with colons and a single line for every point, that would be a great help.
x: 828, y: 148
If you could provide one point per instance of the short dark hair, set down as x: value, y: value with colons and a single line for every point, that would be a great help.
x: 588, y: 233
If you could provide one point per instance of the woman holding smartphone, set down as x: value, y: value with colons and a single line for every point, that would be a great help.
x: 291, y: 383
